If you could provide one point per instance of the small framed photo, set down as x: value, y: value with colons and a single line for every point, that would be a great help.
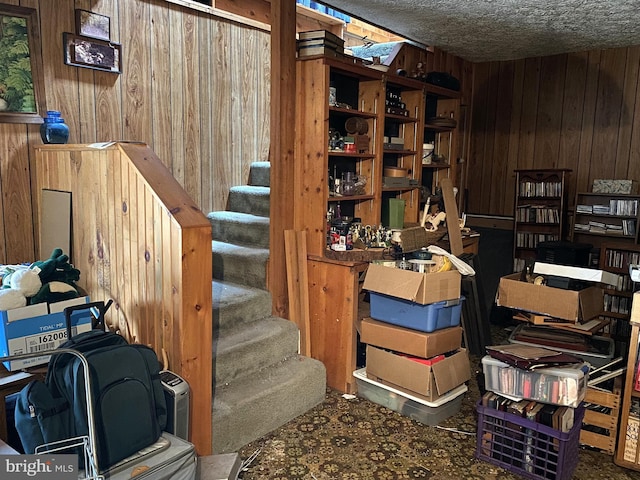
x: 94, y: 25
x: 92, y: 53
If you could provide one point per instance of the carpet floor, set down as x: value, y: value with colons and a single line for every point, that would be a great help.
x: 351, y: 438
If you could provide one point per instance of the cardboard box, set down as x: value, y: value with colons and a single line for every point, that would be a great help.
x: 416, y: 287
x: 409, y: 341
x: 578, y: 273
x: 428, y: 382
x: 578, y: 306
x: 38, y: 328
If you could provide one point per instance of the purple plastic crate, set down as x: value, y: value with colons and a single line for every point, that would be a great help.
x: 425, y: 318
x: 527, y: 448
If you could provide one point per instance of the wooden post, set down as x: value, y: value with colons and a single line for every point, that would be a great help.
x: 283, y: 88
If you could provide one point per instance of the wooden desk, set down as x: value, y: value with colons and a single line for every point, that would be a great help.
x: 470, y: 243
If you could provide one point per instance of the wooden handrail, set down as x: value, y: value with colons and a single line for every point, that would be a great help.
x: 138, y: 239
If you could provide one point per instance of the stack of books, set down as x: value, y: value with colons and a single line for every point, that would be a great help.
x: 320, y: 42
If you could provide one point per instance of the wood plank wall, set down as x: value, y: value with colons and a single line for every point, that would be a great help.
x: 579, y: 111
x: 194, y: 88
x: 145, y: 245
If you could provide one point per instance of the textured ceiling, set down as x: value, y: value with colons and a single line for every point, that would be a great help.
x: 485, y: 30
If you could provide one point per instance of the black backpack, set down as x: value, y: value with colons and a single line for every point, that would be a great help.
x: 128, y: 403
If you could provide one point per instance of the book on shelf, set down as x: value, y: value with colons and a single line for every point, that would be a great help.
x: 308, y: 44
x: 601, y: 210
x: 539, y: 189
x: 321, y: 34
x: 584, y: 208
x: 311, y: 51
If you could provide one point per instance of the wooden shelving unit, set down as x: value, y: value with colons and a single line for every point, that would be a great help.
x: 443, y: 104
x: 539, y: 211
x: 360, y: 94
x: 408, y: 127
x: 628, y: 448
x: 615, y: 257
x: 605, y: 217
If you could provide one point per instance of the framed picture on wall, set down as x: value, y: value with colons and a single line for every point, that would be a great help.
x: 21, y: 73
x: 92, y: 53
x: 94, y: 25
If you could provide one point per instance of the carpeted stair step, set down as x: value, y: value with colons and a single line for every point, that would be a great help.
x: 235, y: 304
x: 240, y: 228
x: 253, y: 406
x: 249, y: 199
x: 240, y: 264
x: 241, y: 350
x: 260, y: 174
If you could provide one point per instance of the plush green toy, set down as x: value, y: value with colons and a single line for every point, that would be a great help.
x: 58, y: 277
x: 54, y: 292
x: 56, y: 269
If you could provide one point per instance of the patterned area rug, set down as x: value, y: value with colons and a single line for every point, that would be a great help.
x: 354, y: 439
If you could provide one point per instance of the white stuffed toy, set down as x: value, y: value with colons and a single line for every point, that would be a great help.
x: 18, y: 283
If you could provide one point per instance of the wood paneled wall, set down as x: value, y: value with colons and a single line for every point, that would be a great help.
x: 195, y: 88
x: 579, y: 111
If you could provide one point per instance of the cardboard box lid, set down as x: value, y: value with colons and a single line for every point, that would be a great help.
x: 416, y: 287
x: 578, y: 273
x: 554, y: 302
x: 407, y: 340
x: 452, y: 371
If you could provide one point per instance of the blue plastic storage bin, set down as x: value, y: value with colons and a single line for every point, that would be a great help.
x: 425, y: 318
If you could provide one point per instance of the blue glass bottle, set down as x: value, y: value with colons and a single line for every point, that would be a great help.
x: 54, y: 130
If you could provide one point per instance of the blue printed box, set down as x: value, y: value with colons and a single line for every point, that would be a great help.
x: 38, y: 328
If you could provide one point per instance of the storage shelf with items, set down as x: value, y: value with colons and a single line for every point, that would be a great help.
x: 338, y: 144
x: 440, y: 143
x: 615, y: 257
x: 539, y: 211
x: 628, y: 448
x: 602, y: 216
x: 402, y: 152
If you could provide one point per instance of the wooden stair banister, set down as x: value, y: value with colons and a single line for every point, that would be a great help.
x: 138, y: 239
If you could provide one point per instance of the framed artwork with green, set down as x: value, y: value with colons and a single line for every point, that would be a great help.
x: 21, y: 73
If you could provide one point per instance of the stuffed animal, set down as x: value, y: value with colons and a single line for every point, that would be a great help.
x: 18, y: 283
x: 58, y: 278
x: 50, y: 280
x: 56, y: 268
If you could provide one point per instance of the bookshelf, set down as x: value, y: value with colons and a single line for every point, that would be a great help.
x: 602, y: 217
x: 615, y: 257
x: 539, y: 211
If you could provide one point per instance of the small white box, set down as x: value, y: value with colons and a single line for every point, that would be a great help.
x: 32, y: 329
x: 578, y: 273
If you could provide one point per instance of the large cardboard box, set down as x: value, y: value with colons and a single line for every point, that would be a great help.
x: 423, y: 288
x: 428, y: 382
x: 409, y: 341
x: 577, y: 306
x: 38, y: 328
